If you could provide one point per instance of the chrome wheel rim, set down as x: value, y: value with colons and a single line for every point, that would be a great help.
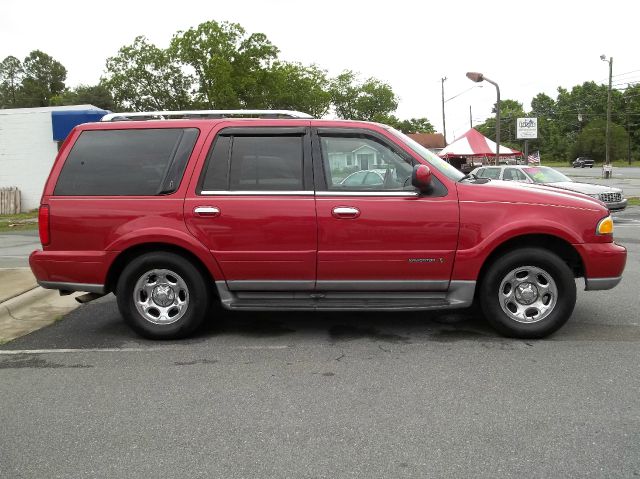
x: 161, y: 296
x: 528, y: 294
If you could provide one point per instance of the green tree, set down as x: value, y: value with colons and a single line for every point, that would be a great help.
x: 11, y: 73
x: 510, y: 111
x: 96, y: 95
x: 631, y: 115
x: 231, y: 67
x: 412, y: 125
x: 371, y: 100
x: 552, y: 142
x: 293, y: 86
x: 592, y: 141
x: 43, y: 79
x: 143, y: 77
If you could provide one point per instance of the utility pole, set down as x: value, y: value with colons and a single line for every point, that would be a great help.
x: 608, y: 134
x: 608, y: 150
x: 444, y: 123
x: 470, y: 118
x: 628, y: 139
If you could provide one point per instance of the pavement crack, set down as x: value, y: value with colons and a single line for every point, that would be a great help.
x: 339, y: 358
x: 11, y: 314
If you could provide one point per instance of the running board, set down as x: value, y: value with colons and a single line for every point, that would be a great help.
x: 459, y: 295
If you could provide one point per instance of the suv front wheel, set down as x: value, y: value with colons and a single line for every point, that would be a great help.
x: 162, y: 295
x: 528, y: 293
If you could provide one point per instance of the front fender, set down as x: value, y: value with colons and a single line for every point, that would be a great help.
x: 486, y: 226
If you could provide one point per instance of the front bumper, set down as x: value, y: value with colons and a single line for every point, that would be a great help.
x: 603, y: 264
x: 617, y: 206
x: 599, y: 284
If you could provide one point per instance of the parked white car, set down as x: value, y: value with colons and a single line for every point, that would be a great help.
x: 612, y: 197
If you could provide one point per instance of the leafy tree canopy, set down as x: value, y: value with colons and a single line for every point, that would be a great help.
x: 11, y: 75
x: 43, y: 78
x: 144, y: 77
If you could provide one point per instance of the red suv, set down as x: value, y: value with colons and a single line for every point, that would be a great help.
x: 175, y: 214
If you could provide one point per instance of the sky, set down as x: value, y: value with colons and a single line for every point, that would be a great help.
x: 527, y: 47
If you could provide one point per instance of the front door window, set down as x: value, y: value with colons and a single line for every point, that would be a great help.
x: 377, y: 167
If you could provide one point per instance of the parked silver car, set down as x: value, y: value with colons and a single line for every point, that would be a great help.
x: 612, y: 197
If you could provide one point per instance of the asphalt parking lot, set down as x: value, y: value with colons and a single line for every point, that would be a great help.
x: 330, y: 395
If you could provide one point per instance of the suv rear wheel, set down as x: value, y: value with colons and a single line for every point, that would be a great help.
x: 528, y: 293
x: 162, y: 295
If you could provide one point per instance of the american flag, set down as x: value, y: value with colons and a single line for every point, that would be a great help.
x: 534, y: 158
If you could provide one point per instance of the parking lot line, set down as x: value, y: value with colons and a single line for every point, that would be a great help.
x: 13, y: 352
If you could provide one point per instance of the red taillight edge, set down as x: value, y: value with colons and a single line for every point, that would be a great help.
x: 43, y: 225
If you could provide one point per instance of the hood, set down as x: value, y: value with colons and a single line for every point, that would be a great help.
x: 585, y: 188
x: 514, y: 192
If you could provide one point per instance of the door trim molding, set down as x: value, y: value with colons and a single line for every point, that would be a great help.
x: 271, y: 285
x: 382, y: 285
x: 258, y: 193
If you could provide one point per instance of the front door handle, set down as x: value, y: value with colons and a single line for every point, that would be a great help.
x: 210, y: 211
x: 345, y: 212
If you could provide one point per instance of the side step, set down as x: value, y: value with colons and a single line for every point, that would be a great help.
x: 460, y: 295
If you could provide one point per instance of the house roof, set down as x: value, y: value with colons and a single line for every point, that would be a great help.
x: 429, y: 140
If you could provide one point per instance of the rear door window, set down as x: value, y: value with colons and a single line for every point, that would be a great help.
x: 260, y: 162
x: 138, y: 162
x: 266, y: 163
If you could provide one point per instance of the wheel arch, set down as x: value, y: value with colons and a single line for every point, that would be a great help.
x: 123, y: 258
x: 554, y: 244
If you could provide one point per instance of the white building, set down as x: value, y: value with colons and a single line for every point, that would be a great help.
x: 29, y: 139
x: 364, y: 157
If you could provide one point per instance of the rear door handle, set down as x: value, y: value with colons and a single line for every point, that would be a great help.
x: 210, y: 211
x: 345, y: 212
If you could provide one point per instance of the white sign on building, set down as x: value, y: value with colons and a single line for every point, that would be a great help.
x: 527, y: 128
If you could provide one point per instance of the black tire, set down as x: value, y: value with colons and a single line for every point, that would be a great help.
x: 193, y: 287
x: 491, y: 297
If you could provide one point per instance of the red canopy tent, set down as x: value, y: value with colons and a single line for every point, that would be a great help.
x: 474, y: 144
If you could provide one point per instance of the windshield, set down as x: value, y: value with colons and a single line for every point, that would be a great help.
x: 435, y: 161
x: 544, y: 174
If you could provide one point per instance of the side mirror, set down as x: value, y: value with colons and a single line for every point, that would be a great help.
x: 421, y: 177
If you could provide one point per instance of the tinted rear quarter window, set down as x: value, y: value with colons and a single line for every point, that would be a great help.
x: 138, y: 162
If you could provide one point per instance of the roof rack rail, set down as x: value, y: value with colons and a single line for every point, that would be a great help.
x: 203, y: 114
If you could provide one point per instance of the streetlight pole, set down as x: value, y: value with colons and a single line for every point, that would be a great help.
x: 444, y: 123
x: 608, y: 140
x: 478, y: 77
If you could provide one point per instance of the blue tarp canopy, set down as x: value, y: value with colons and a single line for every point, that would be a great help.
x: 64, y: 121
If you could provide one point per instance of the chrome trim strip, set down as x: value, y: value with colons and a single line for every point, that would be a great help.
x: 393, y: 285
x: 269, y: 285
x: 407, y: 194
x: 89, y: 288
x: 256, y: 193
x: 599, y: 284
x: 198, y: 113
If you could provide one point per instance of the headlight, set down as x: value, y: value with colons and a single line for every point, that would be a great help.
x: 596, y: 196
x: 605, y: 226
